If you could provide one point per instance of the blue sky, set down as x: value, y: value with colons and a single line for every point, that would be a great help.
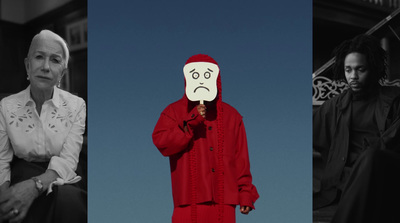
x: 137, y: 50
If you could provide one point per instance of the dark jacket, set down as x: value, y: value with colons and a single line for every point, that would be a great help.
x: 331, y: 135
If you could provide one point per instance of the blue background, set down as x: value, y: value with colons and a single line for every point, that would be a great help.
x: 137, y: 50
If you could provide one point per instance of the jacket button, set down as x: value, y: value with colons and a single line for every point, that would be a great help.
x: 343, y: 159
x: 209, y: 128
x: 212, y: 170
x: 192, y: 115
x: 211, y: 149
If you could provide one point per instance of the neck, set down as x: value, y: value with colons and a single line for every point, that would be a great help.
x: 40, y: 95
x: 367, y: 93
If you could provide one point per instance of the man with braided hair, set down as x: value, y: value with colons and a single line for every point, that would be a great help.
x: 207, y: 148
x: 358, y: 135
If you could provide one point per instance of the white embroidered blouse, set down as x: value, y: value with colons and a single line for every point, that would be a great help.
x: 55, y: 136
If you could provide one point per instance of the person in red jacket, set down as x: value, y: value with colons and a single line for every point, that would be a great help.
x: 207, y: 148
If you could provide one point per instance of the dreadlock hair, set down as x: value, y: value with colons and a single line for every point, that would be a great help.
x: 366, y: 45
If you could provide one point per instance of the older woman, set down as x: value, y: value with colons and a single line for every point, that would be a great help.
x: 41, y: 134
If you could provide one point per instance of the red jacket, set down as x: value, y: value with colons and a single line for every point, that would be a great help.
x: 171, y: 140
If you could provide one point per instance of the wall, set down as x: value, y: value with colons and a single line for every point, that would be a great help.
x: 15, y: 40
x: 22, y: 11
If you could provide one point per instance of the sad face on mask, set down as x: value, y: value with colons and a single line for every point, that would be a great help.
x: 201, y: 81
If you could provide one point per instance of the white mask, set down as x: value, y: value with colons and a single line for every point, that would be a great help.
x: 201, y: 81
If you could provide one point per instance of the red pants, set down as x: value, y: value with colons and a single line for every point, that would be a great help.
x: 206, y: 213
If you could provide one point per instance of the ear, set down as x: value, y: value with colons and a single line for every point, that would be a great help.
x: 26, y: 61
x: 64, y: 71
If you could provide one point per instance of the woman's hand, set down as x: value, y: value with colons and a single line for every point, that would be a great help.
x: 16, y: 200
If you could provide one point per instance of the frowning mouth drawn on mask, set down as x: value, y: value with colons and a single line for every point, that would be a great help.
x: 200, y: 87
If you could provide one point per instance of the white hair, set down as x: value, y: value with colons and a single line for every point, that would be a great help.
x: 47, y: 34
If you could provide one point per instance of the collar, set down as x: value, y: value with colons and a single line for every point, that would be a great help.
x: 368, y: 94
x: 56, y: 97
x: 389, y: 94
x: 385, y: 94
x: 55, y: 100
x: 344, y: 100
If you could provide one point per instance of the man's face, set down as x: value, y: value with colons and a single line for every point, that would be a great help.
x: 356, y: 71
x: 201, y: 81
x: 45, y: 63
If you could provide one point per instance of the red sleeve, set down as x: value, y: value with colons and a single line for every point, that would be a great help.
x: 169, y: 135
x: 247, y: 191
